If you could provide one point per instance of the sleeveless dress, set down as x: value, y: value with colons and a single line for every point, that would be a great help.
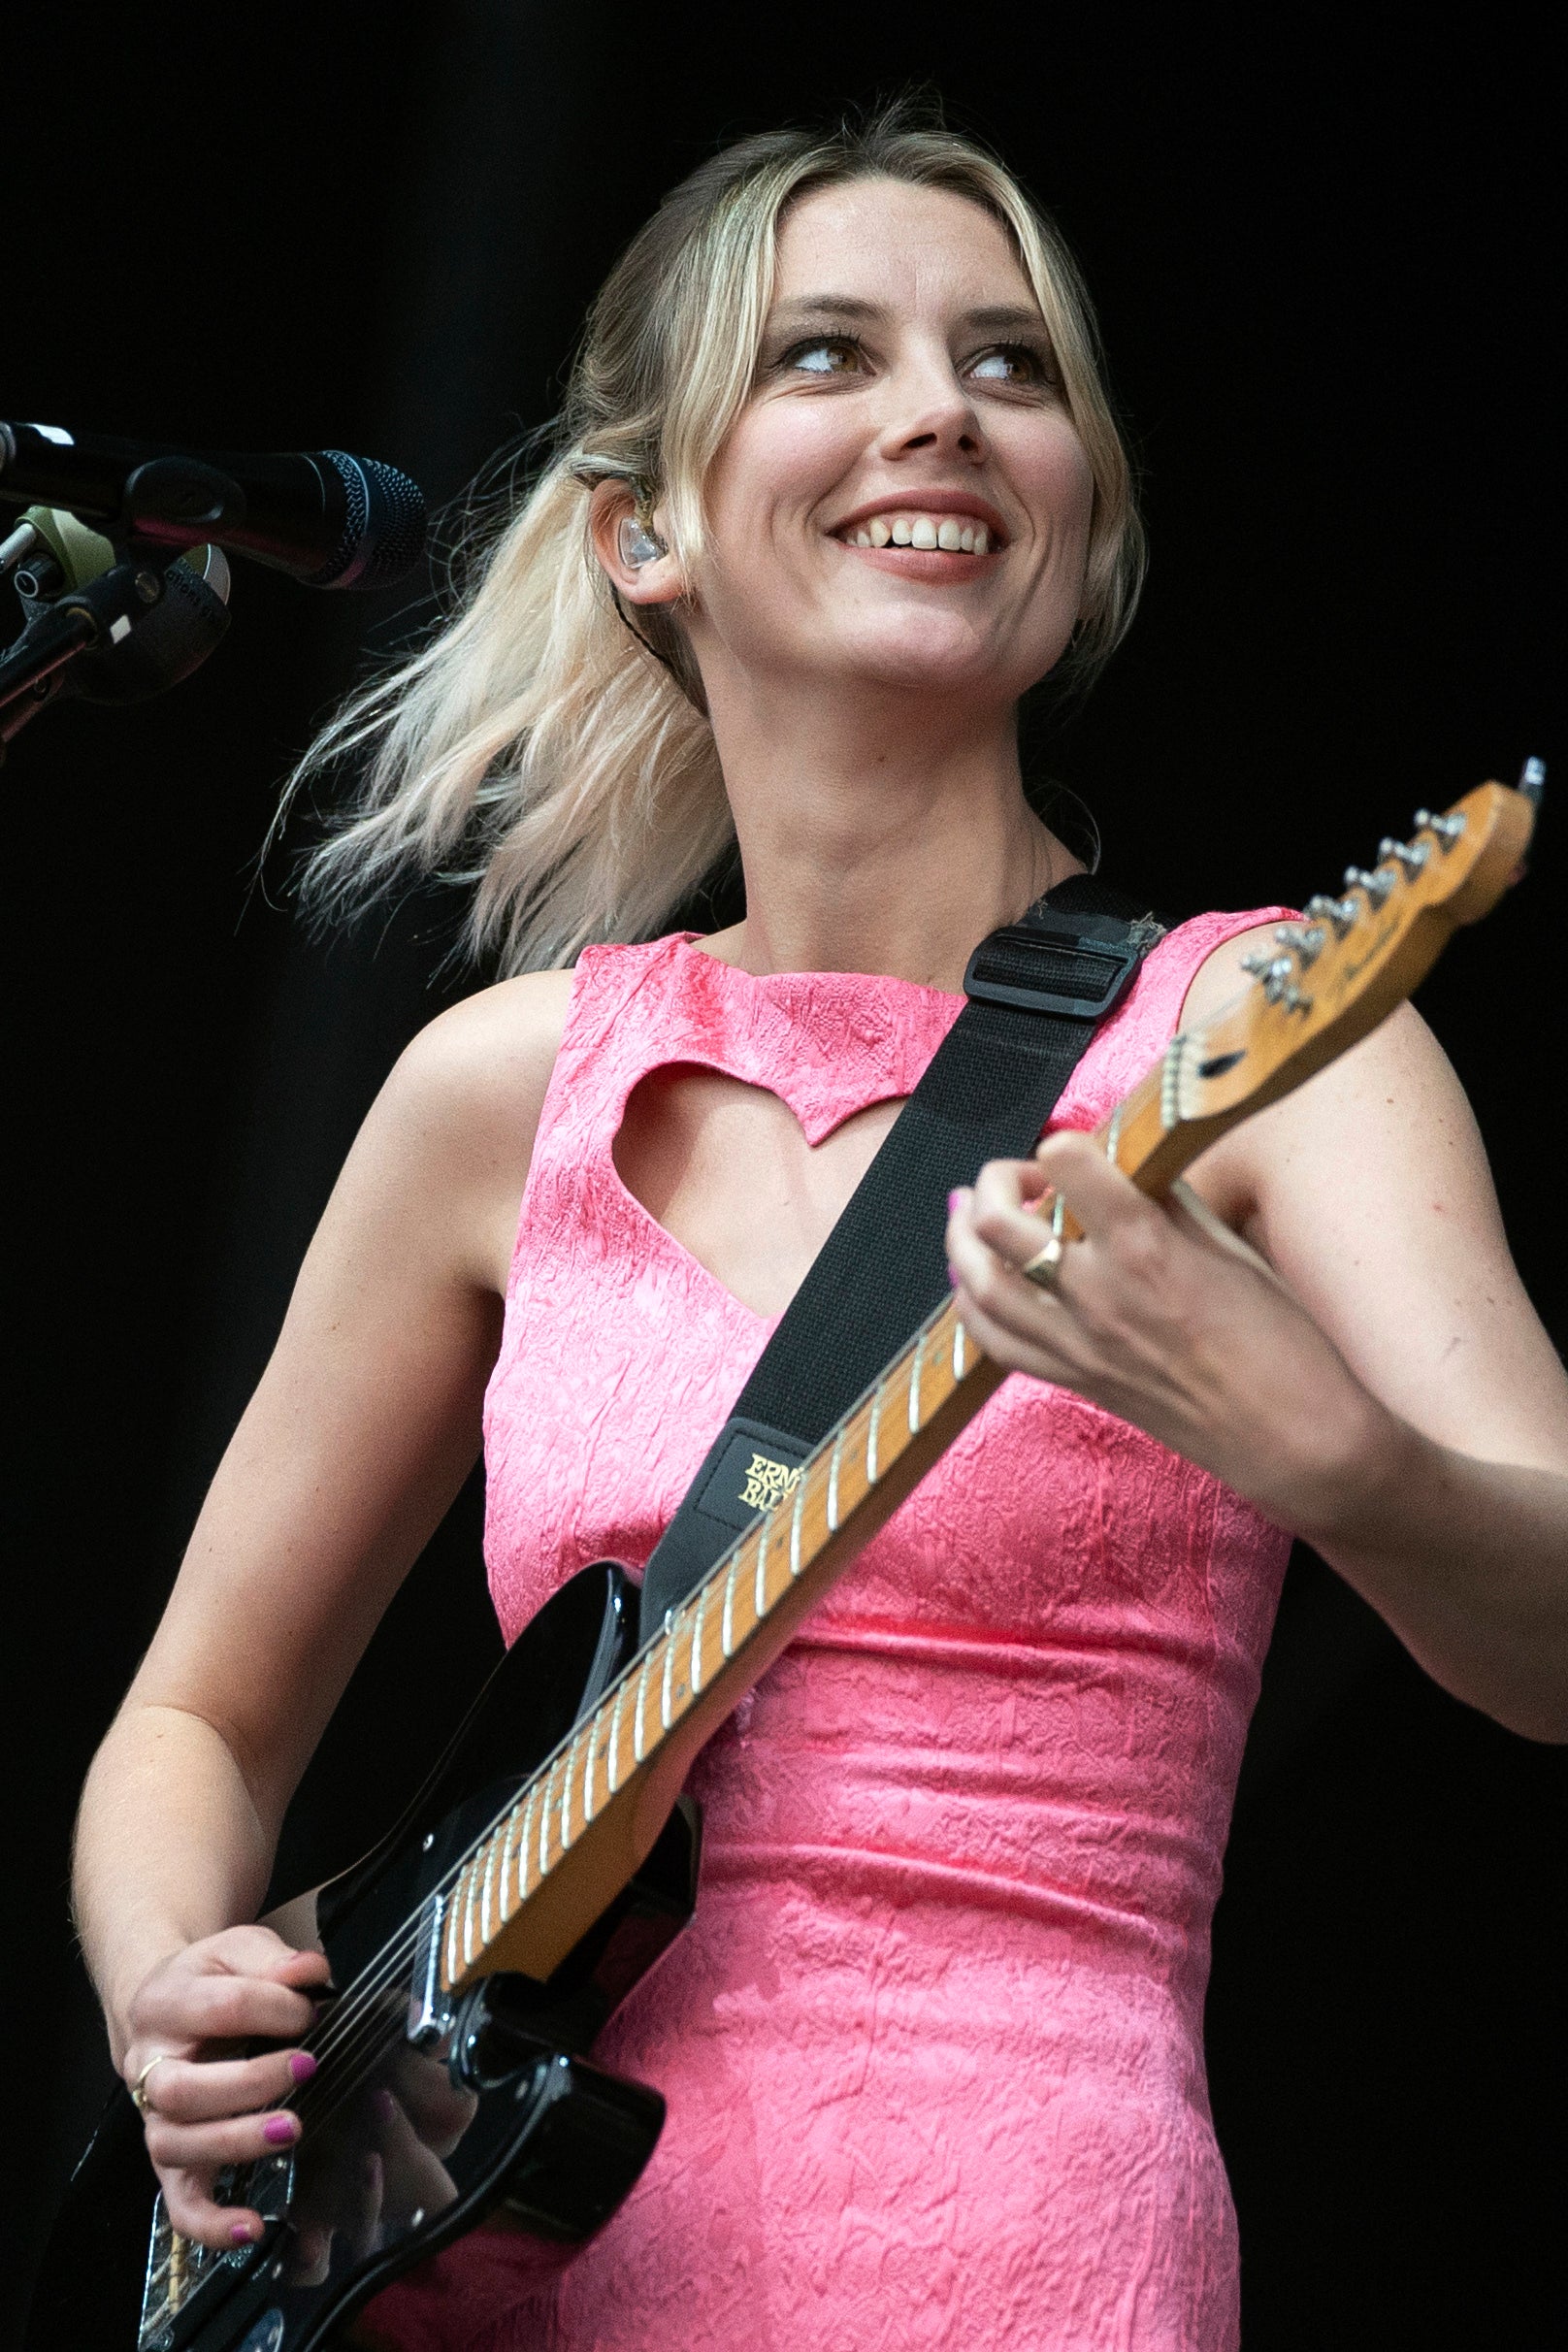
x: 933, y: 2045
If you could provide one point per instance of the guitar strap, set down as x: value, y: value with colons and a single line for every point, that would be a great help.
x: 1037, y: 990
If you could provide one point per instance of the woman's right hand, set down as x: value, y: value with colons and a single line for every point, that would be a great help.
x: 205, y: 2107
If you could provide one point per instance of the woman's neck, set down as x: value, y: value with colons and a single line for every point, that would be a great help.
x: 890, y: 843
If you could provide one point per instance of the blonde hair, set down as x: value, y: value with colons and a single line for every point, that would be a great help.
x: 557, y: 756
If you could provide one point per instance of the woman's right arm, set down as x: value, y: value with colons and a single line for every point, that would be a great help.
x: 364, y: 1426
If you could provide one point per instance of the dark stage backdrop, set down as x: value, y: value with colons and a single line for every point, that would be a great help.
x: 1323, y: 283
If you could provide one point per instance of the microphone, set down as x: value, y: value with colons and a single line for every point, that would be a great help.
x: 325, y: 518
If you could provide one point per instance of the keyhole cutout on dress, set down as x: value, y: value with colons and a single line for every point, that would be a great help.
x: 728, y: 1172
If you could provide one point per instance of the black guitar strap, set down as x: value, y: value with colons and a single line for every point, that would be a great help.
x: 1037, y: 990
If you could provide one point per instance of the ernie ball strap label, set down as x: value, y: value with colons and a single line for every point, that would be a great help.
x: 766, y: 1482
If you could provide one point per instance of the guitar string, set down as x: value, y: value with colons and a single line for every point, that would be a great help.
x: 358, y: 2032
x: 354, y: 2019
x: 347, y: 2026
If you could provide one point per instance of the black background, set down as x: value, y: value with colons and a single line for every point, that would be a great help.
x: 1322, y: 269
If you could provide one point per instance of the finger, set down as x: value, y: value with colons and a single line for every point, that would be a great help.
x: 188, y: 2090
x: 196, y: 2213
x: 188, y: 2008
x: 1099, y: 1196
x: 207, y: 2146
x: 995, y: 1301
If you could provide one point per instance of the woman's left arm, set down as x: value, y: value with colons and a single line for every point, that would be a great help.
x: 1393, y: 1397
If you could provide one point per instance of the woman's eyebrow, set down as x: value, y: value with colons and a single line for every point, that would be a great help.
x: 1005, y: 319
x: 806, y: 309
x: 811, y: 309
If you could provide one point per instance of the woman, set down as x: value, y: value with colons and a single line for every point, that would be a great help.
x: 838, y: 483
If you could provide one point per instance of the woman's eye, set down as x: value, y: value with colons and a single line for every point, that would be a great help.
x: 831, y: 355
x: 1011, y: 364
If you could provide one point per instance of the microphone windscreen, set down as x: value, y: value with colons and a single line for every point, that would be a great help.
x: 383, y: 532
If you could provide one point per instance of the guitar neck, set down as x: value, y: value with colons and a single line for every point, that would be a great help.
x: 533, y: 1885
x: 548, y: 1868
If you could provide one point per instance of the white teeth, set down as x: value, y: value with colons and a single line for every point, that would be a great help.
x: 924, y: 531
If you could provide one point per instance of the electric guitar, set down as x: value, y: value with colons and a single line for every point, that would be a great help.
x: 552, y: 1858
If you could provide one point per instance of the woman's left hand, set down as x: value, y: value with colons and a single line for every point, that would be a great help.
x: 1172, y: 1326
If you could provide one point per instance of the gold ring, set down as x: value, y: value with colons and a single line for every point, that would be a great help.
x: 138, y: 2096
x: 1044, y: 1269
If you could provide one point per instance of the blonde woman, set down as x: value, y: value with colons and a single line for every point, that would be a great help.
x: 836, y: 483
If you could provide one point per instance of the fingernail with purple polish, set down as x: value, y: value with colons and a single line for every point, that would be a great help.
x: 302, y: 2066
x: 241, y: 2234
x: 951, y: 1278
x: 281, y: 2130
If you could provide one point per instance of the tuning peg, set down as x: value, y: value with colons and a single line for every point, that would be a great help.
x: 1447, y: 829
x: 1340, y: 912
x: 1307, y: 939
x: 1411, y: 855
x: 1278, y: 975
x: 1377, y: 886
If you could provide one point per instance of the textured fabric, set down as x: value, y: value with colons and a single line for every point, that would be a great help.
x: 933, y: 2045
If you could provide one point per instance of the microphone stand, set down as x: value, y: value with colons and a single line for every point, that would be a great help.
x: 103, y: 611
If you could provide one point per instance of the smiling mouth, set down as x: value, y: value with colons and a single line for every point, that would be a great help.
x: 946, y: 533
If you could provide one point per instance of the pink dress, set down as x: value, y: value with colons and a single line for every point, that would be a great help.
x: 933, y: 2045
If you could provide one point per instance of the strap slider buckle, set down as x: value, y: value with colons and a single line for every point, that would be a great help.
x: 1078, y: 966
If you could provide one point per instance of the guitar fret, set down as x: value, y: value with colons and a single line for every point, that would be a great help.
x: 669, y: 1673
x: 524, y: 1840
x: 871, y: 1434
x: 1113, y: 1133
x: 508, y: 1845
x: 484, y: 1890
x: 914, y: 1386
x: 760, y: 1594
x: 469, y: 1946
x: 637, y: 1718
x: 959, y: 1336
x: 727, y: 1622
x: 544, y: 1825
x: 588, y: 1773
x: 612, y: 1768
x: 695, y: 1670
x: 566, y: 1797
x: 794, y: 1526
x: 833, y: 1481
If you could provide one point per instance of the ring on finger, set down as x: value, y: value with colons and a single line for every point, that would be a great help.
x: 139, y: 2088
x: 1044, y: 1269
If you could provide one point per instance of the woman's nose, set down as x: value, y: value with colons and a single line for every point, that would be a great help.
x: 933, y: 411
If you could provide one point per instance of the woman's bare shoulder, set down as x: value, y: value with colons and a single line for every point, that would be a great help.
x: 441, y: 1159
x: 491, y: 1056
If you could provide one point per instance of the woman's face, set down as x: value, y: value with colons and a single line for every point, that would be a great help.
x: 904, y: 499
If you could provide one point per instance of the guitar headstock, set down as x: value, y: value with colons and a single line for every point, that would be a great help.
x: 1330, y: 979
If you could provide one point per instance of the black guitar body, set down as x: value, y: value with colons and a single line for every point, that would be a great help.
x: 424, y: 2121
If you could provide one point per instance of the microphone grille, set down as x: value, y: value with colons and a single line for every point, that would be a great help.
x: 383, y: 532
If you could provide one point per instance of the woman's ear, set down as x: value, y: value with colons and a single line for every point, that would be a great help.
x: 630, y: 547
